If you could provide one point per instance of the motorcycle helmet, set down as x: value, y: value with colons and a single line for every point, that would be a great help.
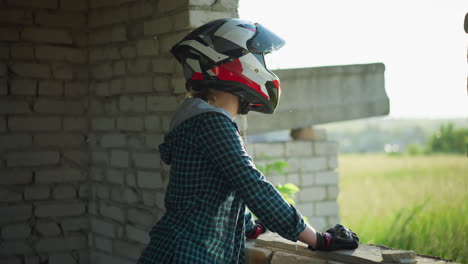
x: 228, y: 55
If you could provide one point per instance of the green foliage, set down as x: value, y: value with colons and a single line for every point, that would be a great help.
x: 449, y: 140
x: 414, y: 149
x: 404, y: 202
x: 288, y: 191
x: 277, y: 166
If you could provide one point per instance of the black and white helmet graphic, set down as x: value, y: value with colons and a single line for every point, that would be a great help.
x: 228, y: 55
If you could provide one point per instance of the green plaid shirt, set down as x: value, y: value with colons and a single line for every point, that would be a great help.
x: 212, y: 178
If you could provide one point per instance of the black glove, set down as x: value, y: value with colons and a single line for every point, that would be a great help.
x: 258, y: 229
x: 336, y: 238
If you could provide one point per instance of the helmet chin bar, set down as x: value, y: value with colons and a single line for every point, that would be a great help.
x: 243, y: 106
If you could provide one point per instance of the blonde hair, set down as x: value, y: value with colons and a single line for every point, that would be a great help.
x: 206, y: 94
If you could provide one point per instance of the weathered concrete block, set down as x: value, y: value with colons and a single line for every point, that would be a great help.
x: 327, y: 177
x: 11, y: 177
x: 50, y: 88
x: 16, y: 231
x: 103, y: 243
x: 7, y: 195
x: 76, y: 89
x: 113, y: 140
x: 298, y: 148
x: 164, y: 65
x: 140, y: 217
x: 64, y: 192
x: 59, y: 209
x: 119, y: 158
x: 313, y: 164
x: 326, y: 208
x: 152, y: 122
x: 309, y: 133
x: 70, y: 20
x: 273, y: 150
x: 326, y: 148
x: 130, y: 123
x: 73, y: 5
x: 310, y: 194
x: 102, y: 227
x: 139, y: 65
x: 34, y: 70
x: 23, y: 87
x: 16, y: 16
x: 50, y: 4
x: 112, y: 212
x: 61, y: 243
x: 46, y: 228
x: 154, y: 140
x: 257, y: 255
x: 39, y: 158
x: 22, y: 52
x: 56, y: 53
x: 147, y: 47
x: 126, y: 249
x: 132, y: 104
x: 306, y: 209
x: 75, y: 224
x: 34, y: 123
x: 283, y: 258
x: 61, y: 175
x: 119, y: 34
x: 398, y: 256
x: 59, y: 140
x: 102, y: 71
x: 102, y: 17
x: 12, y: 141
x: 129, y: 196
x: 119, y: 68
x: 332, y: 162
x: 136, y: 234
x: 62, y: 258
x: 332, y: 192
x: 36, y: 192
x: 146, y: 160
x: 75, y: 124
x: 9, y: 34
x: 47, y: 35
x: 15, y: 247
x: 115, y: 176
x: 62, y: 71
x: 15, y: 213
x: 103, y: 123
x: 149, y: 179
x: 320, y: 223
x: 161, y: 84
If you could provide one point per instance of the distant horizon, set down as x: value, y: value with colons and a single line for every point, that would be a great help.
x: 422, y: 44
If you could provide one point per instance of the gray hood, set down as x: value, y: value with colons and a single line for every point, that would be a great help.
x: 192, y: 107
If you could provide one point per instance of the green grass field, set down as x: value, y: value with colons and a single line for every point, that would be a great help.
x: 408, y: 202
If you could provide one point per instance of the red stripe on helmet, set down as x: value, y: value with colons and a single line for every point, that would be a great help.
x: 277, y: 84
x: 232, y: 71
x: 197, y: 76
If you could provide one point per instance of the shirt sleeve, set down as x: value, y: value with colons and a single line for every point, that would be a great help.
x: 221, y: 143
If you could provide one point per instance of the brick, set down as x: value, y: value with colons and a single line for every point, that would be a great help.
x: 141, y: 10
x: 130, y: 124
x: 332, y: 162
x: 58, y: 140
x: 61, y: 244
x: 12, y: 177
x: 158, y: 26
x: 99, y: 37
x: 62, y: 71
x: 47, y: 228
x: 129, y: 196
x: 75, y: 124
x: 63, y: 192
x: 115, y: 176
x: 113, y: 140
x: 102, y: 227
x: 103, y: 192
x: 46, y: 35
x: 38, y: 158
x: 4, y: 51
x: 62, y: 258
x: 162, y: 103
x: 283, y: 257
x: 59, y: 209
x: 75, y: 224
x: 153, y: 141
x: 50, y: 88
x: 326, y: 148
x: 119, y: 158
x: 15, y: 247
x: 34, y: 70
x: 119, y: 34
x: 178, y: 86
x: 16, y: 231
x: 138, y: 84
x: 69, y: 20
x: 112, y: 212
x: 299, y: 148
x: 313, y: 164
x: 153, y: 122
x: 332, y: 192
x: 3, y: 69
x: 306, y: 209
x: 196, y: 18
x: 147, y: 47
x: 309, y: 194
x: 102, y: 71
x: 329, y: 177
x: 257, y: 255
x: 140, y: 217
x: 62, y: 175
x: 56, y: 53
x: 78, y: 157
x: 74, y: 5
x: 50, y: 4
x: 126, y: 249
x: 3, y: 126
x: 139, y: 66
x: 9, y: 195
x: 103, y: 243
x: 100, y: 258
x: 32, y: 260
x: 165, y: 6
x: 23, y: 87
x: 103, y: 123
x: 36, y: 193
x: 146, y: 160
x: 319, y: 222
x: 161, y: 84
x: 132, y: 104
x: 101, y: 88
x: 15, y: 213
x: 136, y: 234
x: 9, y: 34
x: 164, y: 65
x: 34, y: 123
x: 99, y: 157
x: 12, y: 106
x: 149, y: 179
x: 15, y: 16
x: 76, y: 89
x: 22, y: 52
x: 128, y: 52
x: 104, y: 17
x: 119, y: 68
x: 326, y: 208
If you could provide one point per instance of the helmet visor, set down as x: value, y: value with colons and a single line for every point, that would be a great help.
x: 264, y: 41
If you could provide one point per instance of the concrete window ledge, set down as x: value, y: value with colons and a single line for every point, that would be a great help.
x: 270, y: 248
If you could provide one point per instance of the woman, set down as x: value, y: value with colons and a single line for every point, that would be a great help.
x: 212, y: 178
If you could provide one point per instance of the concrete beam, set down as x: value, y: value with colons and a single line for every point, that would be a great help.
x: 312, y: 96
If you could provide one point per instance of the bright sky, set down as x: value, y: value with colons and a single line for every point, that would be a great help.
x: 421, y: 42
